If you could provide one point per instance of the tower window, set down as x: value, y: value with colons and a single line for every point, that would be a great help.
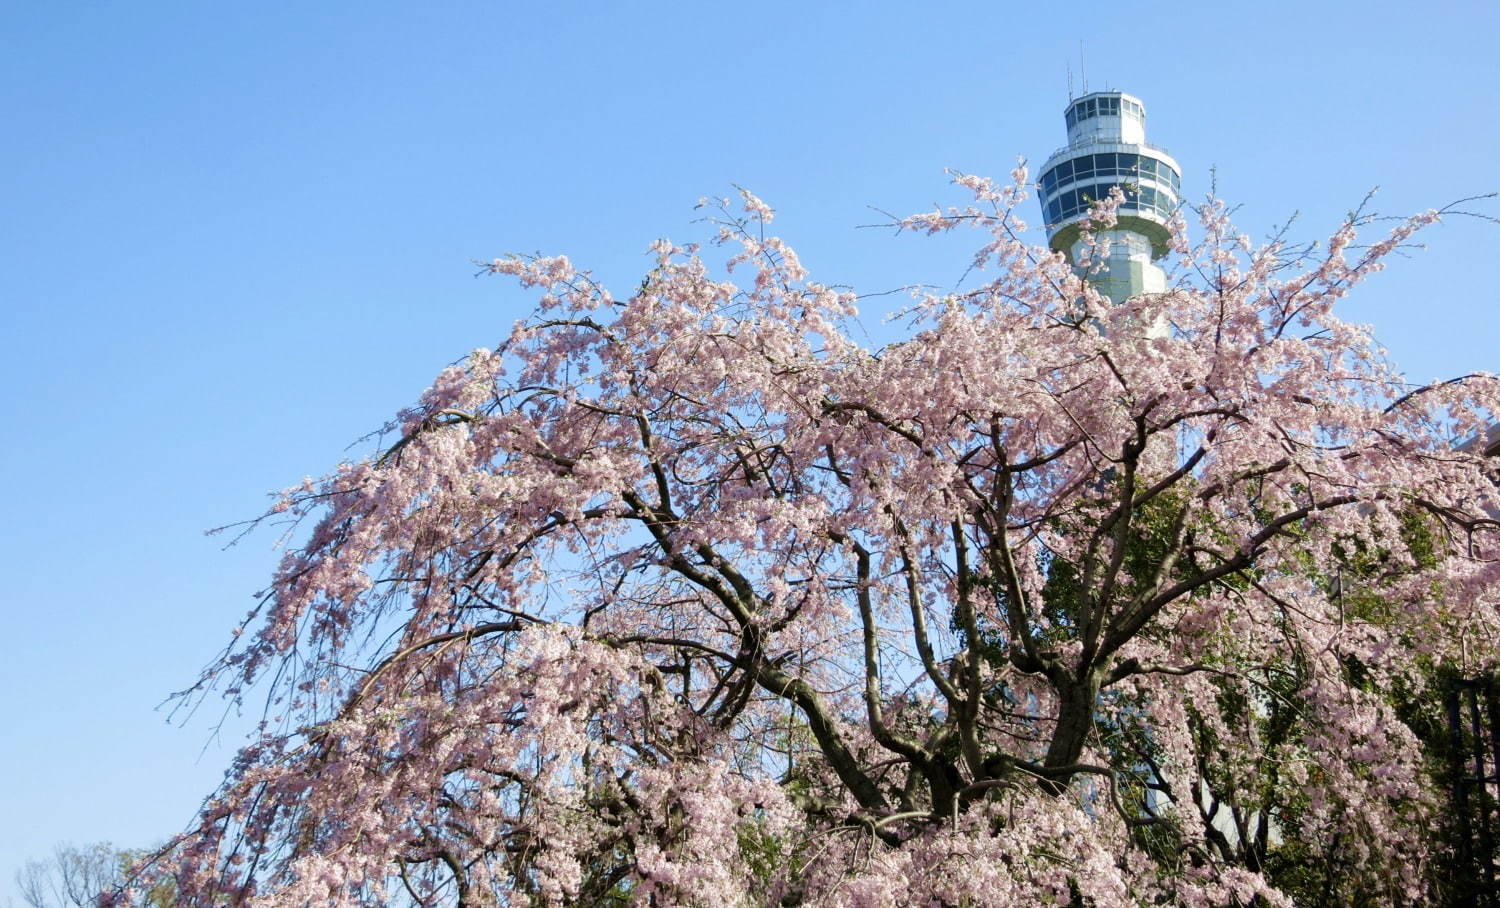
x: 1076, y: 202
x: 1125, y: 164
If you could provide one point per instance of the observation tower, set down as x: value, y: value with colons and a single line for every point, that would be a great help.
x: 1107, y: 147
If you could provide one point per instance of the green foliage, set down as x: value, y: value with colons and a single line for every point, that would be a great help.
x: 765, y: 854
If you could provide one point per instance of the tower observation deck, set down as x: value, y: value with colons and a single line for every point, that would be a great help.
x: 1107, y: 147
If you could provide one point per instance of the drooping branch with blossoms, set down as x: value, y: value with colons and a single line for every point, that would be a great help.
x: 687, y: 597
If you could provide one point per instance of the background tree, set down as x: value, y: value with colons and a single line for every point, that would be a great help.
x: 78, y: 875
x: 686, y: 597
x: 71, y: 876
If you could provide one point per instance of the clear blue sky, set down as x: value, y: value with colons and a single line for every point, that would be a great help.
x: 236, y: 237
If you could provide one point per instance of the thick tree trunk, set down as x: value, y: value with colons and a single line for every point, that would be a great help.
x: 1075, y: 719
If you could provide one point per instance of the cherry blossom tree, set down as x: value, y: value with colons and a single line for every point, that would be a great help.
x: 686, y: 597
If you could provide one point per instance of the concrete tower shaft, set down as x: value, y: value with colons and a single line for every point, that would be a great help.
x: 1107, y: 147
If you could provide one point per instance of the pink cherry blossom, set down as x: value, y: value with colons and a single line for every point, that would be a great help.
x: 687, y: 597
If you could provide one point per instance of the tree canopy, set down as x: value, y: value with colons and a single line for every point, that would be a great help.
x: 685, y: 596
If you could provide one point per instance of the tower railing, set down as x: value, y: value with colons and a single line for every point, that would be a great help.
x: 1094, y: 141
